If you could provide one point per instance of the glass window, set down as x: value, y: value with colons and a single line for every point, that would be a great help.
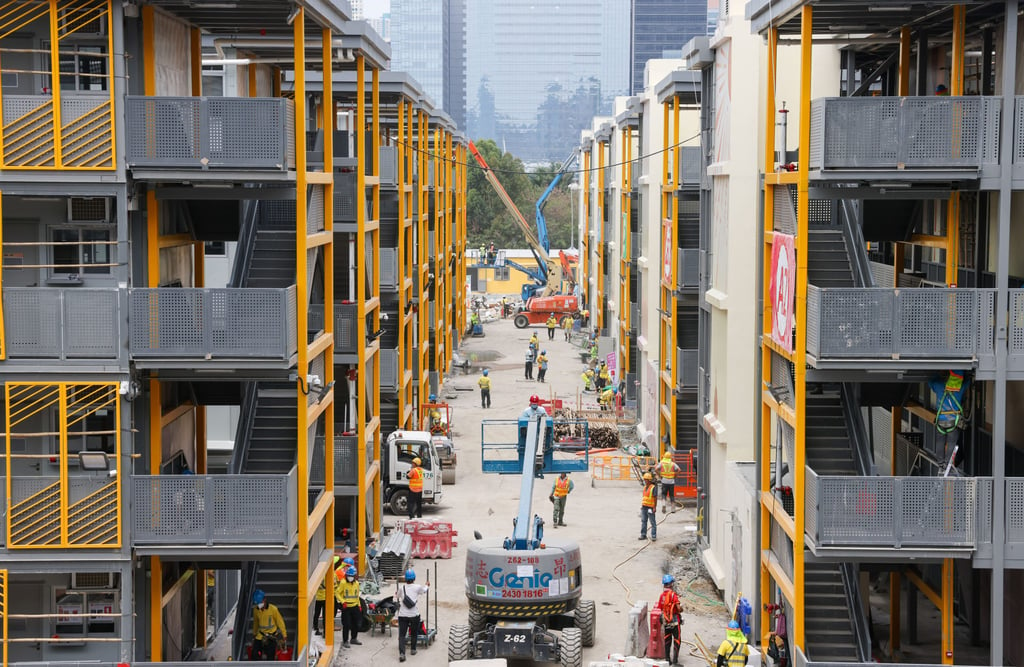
x: 81, y: 66
x: 78, y: 250
x: 75, y: 609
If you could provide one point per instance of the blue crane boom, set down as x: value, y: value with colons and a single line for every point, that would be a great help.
x: 542, y: 223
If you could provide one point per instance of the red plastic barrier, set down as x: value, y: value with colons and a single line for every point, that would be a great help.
x: 431, y: 539
x: 656, y: 647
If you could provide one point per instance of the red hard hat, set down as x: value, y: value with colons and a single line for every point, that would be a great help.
x: 534, y: 399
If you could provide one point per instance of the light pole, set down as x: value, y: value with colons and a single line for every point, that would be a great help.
x: 574, y: 187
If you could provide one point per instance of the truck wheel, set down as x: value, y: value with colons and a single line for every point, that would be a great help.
x: 521, y: 321
x: 459, y: 642
x: 477, y: 621
x: 399, y: 502
x: 448, y: 475
x: 570, y: 648
x: 585, y: 617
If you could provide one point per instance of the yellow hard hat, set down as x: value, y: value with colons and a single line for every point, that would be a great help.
x: 417, y: 461
x: 667, y: 456
x: 648, y: 476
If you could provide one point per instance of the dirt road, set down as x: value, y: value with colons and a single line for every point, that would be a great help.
x: 604, y: 517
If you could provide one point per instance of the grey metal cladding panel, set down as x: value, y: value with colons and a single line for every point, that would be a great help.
x: 691, y: 165
x: 688, y: 367
x: 855, y: 322
x: 785, y: 212
x: 983, y: 514
x: 32, y: 322
x: 856, y: 510
x: 246, y: 131
x: 1016, y: 323
x: 1015, y: 510
x: 860, y: 133
x: 345, y: 323
x: 942, y: 131
x: 388, y: 165
x: 812, y: 521
x: 389, y: 268
x: 151, y: 313
x: 817, y: 148
x: 389, y: 370
x: 163, y: 131
x: 937, y: 322
x: 883, y: 274
x: 345, y: 196
x: 17, y: 106
x: 782, y: 378
x: 689, y: 267
x: 814, y: 316
x: 246, y: 323
x: 91, y: 324
x: 315, y: 209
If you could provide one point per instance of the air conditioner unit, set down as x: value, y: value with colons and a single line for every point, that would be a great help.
x: 81, y: 581
x: 84, y: 210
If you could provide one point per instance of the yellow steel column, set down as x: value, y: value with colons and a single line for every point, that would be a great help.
x: 330, y: 125
x: 361, y: 385
x: 58, y: 160
x: 956, y: 89
x: 673, y: 278
x: 375, y: 242
x: 800, y: 348
x: 665, y: 312
x: 403, y: 297
x: 155, y: 413
x: 3, y: 329
x: 583, y: 270
x: 195, y: 64
x: 251, y: 71
x: 766, y: 320
x: 302, y: 308
x: 625, y: 315
x: 903, y: 81
x: 947, y: 611
x: 602, y: 146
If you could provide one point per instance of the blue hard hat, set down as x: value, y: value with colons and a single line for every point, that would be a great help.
x: 258, y: 596
x: 486, y: 371
x: 410, y: 575
x: 350, y: 572
x: 734, y: 625
x: 667, y: 579
x: 432, y: 398
x: 349, y: 562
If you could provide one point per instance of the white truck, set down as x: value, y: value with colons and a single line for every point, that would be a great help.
x: 400, y: 448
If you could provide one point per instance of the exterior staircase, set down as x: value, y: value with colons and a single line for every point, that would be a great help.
x: 829, y: 626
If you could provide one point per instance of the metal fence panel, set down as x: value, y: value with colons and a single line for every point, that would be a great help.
x: 389, y: 269
x: 1018, y: 137
x: 212, y: 322
x: 1016, y: 325
x: 389, y: 370
x: 904, y: 132
x: 851, y: 322
x: 388, y: 165
x: 937, y: 322
x: 62, y: 323
x: 688, y: 365
x: 689, y: 267
x: 200, y: 132
x: 213, y: 509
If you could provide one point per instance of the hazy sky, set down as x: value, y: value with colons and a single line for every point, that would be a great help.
x: 375, y: 8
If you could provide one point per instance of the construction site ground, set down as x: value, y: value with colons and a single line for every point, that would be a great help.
x: 602, y: 516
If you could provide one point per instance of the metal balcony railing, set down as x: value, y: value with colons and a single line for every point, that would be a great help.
x: 892, y: 512
x: 346, y: 470
x: 62, y: 323
x: 210, y: 132
x: 893, y: 323
x: 214, y: 510
x: 1016, y: 324
x: 1018, y: 137
x: 689, y: 267
x: 389, y: 275
x: 904, y: 133
x: 389, y: 370
x: 688, y: 367
x: 691, y: 164
x: 208, y: 323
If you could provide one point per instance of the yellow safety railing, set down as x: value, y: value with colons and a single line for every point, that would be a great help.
x: 62, y: 507
x: 70, y: 124
x: 3, y: 616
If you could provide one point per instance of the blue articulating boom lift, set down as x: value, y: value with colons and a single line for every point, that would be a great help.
x: 524, y: 591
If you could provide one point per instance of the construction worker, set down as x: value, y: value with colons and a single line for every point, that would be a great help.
x: 542, y: 365
x: 588, y: 380
x: 485, y: 389
x: 606, y: 397
x: 534, y: 410
x: 667, y: 470
x: 567, y: 327
x: 734, y: 651
x: 648, y: 507
x: 321, y: 601
x: 415, y: 477
x: 551, y: 324
x: 483, y: 254
x: 268, y: 631
x: 346, y: 594
x: 504, y: 307
x: 534, y: 343
x: 593, y: 352
x: 560, y: 491
x: 671, y: 619
x: 604, y: 378
x: 949, y: 394
x: 409, y: 616
x: 529, y: 363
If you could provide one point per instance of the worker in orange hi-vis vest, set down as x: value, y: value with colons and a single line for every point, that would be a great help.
x: 648, y: 507
x: 415, y: 477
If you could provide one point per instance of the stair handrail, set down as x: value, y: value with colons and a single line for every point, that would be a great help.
x: 243, y: 432
x: 246, y: 244
x: 243, y: 609
x: 854, y: 602
x: 859, y: 441
x: 856, y: 246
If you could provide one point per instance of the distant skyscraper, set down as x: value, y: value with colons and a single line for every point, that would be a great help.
x: 539, y: 71
x: 661, y: 28
x: 428, y: 40
x: 382, y: 25
x: 357, y: 9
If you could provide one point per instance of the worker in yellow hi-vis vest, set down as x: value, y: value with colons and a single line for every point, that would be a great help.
x: 667, y: 469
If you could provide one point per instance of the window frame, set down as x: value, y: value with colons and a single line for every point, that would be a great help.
x: 84, y: 268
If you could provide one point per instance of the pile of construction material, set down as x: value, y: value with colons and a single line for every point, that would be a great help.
x: 394, y: 554
x: 568, y: 424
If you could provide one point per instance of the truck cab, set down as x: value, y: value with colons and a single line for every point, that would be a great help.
x: 400, y: 448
